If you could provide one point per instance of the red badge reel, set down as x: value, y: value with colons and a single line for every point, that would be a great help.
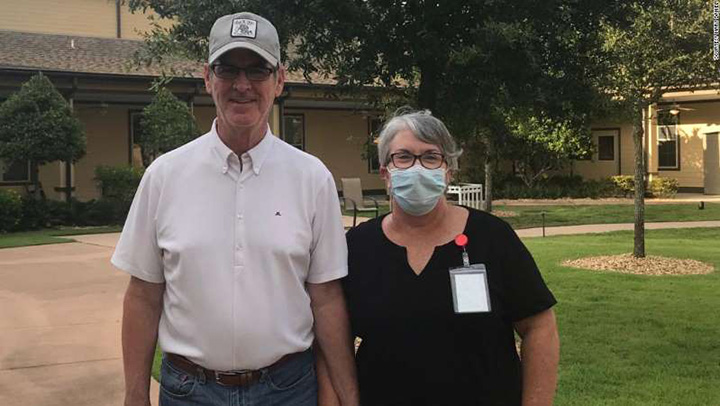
x: 461, y: 241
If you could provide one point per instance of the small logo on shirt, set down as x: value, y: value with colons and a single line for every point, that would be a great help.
x: 277, y: 214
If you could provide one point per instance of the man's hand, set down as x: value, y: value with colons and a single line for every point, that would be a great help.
x: 540, y: 355
x: 141, y: 314
x: 332, y: 332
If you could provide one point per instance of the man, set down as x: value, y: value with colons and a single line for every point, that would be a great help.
x: 235, y: 244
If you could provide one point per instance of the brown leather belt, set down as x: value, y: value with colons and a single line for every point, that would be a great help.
x: 239, y: 378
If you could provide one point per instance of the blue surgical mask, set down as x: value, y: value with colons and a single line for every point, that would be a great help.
x: 417, y: 189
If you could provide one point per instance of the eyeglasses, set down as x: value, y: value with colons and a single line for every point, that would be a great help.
x: 429, y: 160
x: 231, y: 72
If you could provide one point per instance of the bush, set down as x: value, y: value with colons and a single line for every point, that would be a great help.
x: 10, y: 210
x: 118, y: 182
x: 104, y: 212
x: 664, y: 187
x: 554, y: 188
x: 625, y: 184
x: 117, y: 186
x: 35, y: 214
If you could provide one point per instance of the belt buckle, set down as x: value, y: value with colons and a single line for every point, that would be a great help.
x: 220, y: 375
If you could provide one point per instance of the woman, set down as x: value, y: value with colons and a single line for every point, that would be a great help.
x: 417, y: 349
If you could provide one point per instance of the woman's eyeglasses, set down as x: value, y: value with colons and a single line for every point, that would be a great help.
x: 429, y: 160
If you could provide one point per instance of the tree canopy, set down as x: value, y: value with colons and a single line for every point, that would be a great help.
x: 166, y: 124
x: 648, y: 48
x: 37, y: 125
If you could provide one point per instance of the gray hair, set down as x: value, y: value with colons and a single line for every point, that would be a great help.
x: 425, y: 127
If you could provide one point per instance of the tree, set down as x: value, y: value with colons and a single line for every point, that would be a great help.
x: 37, y: 125
x: 166, y: 124
x: 464, y: 60
x: 647, y: 49
x: 540, y: 144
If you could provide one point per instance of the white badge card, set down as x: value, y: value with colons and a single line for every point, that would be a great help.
x: 470, y: 289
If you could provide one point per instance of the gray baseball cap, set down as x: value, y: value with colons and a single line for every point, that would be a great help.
x: 244, y: 30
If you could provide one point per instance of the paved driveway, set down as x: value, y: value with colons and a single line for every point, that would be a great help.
x: 60, y: 313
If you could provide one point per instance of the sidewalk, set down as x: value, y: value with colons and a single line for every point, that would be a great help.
x: 604, y: 228
x: 680, y: 198
x: 60, y: 313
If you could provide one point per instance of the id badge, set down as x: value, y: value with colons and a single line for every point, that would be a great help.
x: 470, y: 289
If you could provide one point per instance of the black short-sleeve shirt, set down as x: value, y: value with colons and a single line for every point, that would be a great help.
x: 415, y: 350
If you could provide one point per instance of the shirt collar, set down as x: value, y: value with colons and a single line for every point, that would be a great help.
x: 258, y: 154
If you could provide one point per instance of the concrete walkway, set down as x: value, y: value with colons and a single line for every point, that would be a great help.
x: 60, y: 314
x: 604, y: 228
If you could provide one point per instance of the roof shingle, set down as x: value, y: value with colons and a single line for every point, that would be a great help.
x: 67, y: 53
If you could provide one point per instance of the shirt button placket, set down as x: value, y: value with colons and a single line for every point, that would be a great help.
x: 240, y: 225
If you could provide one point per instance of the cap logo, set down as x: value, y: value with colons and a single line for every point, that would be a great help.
x: 243, y: 27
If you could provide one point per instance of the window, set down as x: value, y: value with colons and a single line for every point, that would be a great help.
x: 667, y: 147
x: 18, y: 171
x: 294, y: 132
x: 606, y: 148
x: 374, y: 126
x: 134, y: 137
x: 668, y: 157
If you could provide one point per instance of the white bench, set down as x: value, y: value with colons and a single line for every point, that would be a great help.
x: 469, y: 194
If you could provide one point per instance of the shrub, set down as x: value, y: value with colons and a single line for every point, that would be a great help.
x: 10, y: 210
x: 664, y: 187
x: 554, y: 188
x: 117, y: 185
x: 625, y: 184
x: 34, y: 213
x: 118, y: 182
x: 104, y: 212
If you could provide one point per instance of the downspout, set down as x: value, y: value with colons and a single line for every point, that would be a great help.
x: 118, y: 11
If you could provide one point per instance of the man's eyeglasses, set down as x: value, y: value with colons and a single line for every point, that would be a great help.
x: 231, y: 72
x: 429, y: 160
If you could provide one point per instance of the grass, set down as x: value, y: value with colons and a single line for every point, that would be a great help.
x: 157, y: 362
x: 50, y: 236
x: 555, y: 215
x: 632, y: 340
x: 531, y: 216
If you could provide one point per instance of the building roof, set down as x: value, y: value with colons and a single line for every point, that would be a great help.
x: 77, y: 54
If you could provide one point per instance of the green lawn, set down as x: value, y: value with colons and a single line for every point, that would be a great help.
x: 530, y: 216
x: 50, y: 236
x: 636, y: 340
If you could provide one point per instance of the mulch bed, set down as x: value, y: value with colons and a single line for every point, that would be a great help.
x: 650, y: 265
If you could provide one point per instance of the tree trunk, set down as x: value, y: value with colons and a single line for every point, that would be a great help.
x: 35, y: 180
x: 489, y: 168
x: 639, y: 243
x: 427, y: 95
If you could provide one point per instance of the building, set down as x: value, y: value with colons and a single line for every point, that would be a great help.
x: 681, y: 142
x: 86, y: 47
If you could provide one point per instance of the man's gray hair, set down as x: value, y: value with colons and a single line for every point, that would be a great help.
x: 425, y: 127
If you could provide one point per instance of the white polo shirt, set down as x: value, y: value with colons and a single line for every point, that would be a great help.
x: 235, y: 240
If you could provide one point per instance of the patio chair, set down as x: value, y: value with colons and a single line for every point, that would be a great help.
x: 353, y: 198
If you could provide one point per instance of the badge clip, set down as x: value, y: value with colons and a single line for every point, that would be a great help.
x: 461, y: 241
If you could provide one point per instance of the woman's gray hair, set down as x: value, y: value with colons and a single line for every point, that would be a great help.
x: 425, y: 127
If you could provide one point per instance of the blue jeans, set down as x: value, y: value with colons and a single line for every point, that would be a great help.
x: 292, y: 383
